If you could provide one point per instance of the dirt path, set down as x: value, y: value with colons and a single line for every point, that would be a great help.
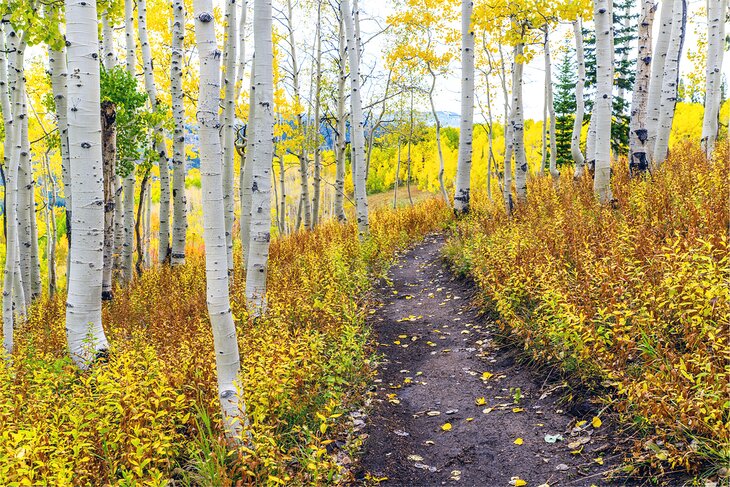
x: 439, y: 362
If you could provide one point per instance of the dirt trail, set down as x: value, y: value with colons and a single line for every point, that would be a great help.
x: 439, y: 357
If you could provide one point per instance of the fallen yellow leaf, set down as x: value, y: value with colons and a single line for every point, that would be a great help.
x: 596, y: 422
x: 519, y: 441
x: 446, y: 427
x: 480, y: 401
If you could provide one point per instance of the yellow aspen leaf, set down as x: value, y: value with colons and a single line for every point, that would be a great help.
x: 519, y: 441
x: 446, y: 427
x: 480, y: 401
x: 596, y: 422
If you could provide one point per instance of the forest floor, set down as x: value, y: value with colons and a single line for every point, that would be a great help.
x: 454, y: 406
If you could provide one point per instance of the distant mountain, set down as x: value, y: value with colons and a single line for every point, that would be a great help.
x: 447, y: 119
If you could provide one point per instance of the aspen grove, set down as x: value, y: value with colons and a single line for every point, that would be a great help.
x: 409, y: 242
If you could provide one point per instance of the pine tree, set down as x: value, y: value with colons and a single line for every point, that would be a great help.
x: 565, y: 106
x: 624, y: 23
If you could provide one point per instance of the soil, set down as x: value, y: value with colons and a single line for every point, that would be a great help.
x: 439, y: 359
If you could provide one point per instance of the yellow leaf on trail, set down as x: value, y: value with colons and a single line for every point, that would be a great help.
x: 517, y: 410
x: 519, y: 441
x: 480, y: 401
x: 596, y: 422
x: 486, y: 375
x: 580, y: 424
x: 599, y: 460
x: 446, y: 427
x: 470, y: 419
x: 517, y: 482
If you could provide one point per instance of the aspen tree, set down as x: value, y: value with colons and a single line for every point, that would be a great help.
x: 716, y: 15
x: 109, y: 154
x: 317, y: 175
x: 550, y: 109
x: 518, y: 125
x: 341, y: 126
x: 670, y: 82
x: 13, y: 298
x: 575, y: 150
x: 247, y: 166
x: 129, y: 181
x: 638, y: 132
x: 356, y: 117
x: 84, y: 329
x: 228, y: 79
x: 179, y: 200
x: 216, y: 271
x: 658, y: 60
x: 466, y: 127
x: 602, y: 13
x: 149, y: 82
x: 262, y: 158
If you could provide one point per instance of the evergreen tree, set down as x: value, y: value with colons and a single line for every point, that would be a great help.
x: 625, y: 29
x: 565, y: 106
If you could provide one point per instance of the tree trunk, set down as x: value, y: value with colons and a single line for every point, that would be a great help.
x: 670, y: 82
x: 659, y: 58
x: 179, y: 199
x: 716, y: 13
x: 129, y: 180
x: 550, y: 107
x: 518, y: 126
x: 13, y: 301
x: 149, y: 82
x: 357, y: 125
x: 466, y: 127
x: 257, y: 264
x: 579, y: 102
x: 241, y: 48
x: 508, y: 136
x: 109, y: 154
x: 86, y: 338
x: 397, y: 177
x: 246, y: 175
x: 216, y: 271
x: 59, y: 80
x: 639, y: 158
x: 341, y: 130
x: 317, y: 177
x: 282, y: 189
x: 50, y: 217
x: 602, y: 107
x: 228, y: 79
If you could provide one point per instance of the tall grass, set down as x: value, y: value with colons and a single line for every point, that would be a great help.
x: 632, y: 297
x: 150, y: 414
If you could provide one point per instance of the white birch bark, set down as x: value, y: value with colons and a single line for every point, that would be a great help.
x: 84, y: 329
x: 260, y: 233
x: 149, y: 82
x: 59, y: 80
x: 12, y: 300
x: 127, y: 259
x: 657, y: 74
x: 716, y: 15
x: 518, y: 126
x: 341, y: 128
x: 179, y: 199
x: 216, y: 272
x: 638, y: 133
x: 357, y: 126
x: 604, y: 97
x: 228, y: 80
x: 670, y: 82
x: 241, y: 47
x: 463, y: 168
x: 29, y: 263
x: 109, y: 58
x: 317, y: 175
x: 575, y: 151
x: 247, y: 166
x: 439, y: 149
x: 508, y: 138
x: 553, y: 155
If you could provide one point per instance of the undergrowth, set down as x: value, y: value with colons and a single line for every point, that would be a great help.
x: 150, y: 414
x: 631, y: 297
